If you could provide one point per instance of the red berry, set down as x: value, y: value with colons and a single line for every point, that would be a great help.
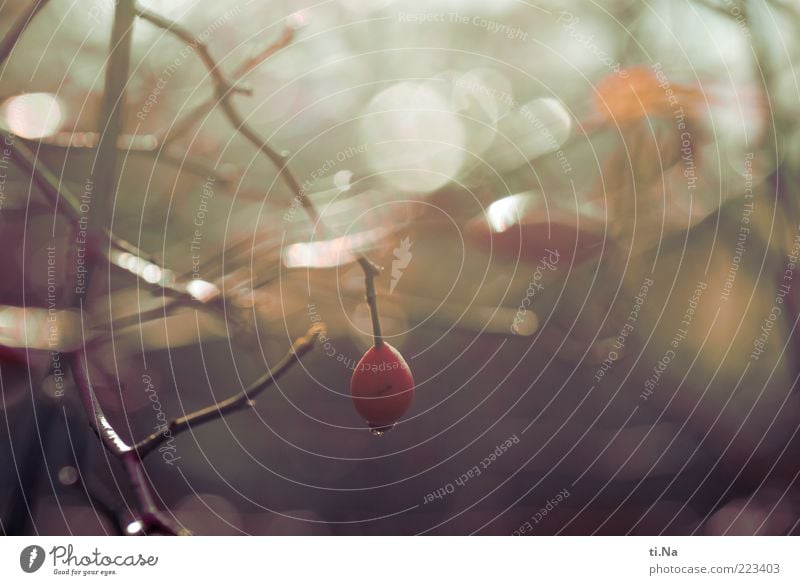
x: 382, y: 386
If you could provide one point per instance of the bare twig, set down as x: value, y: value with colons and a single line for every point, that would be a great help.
x: 193, y: 165
x: 239, y: 401
x: 106, y: 176
x: 152, y: 520
x: 182, y: 126
x: 222, y: 90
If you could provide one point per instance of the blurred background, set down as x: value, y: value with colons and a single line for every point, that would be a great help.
x: 588, y: 221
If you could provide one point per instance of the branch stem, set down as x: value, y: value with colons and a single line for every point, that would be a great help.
x: 151, y: 519
x: 182, y: 126
x: 370, y: 271
x: 239, y: 401
x: 105, y: 171
x: 222, y: 90
x: 106, y: 178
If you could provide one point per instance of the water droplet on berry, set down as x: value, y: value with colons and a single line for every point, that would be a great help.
x: 379, y: 431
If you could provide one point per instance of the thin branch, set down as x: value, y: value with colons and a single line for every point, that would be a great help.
x: 106, y: 173
x: 222, y: 90
x: 56, y: 191
x: 152, y: 520
x: 372, y: 301
x: 105, y: 169
x: 239, y: 401
x: 107, y: 176
x: 97, y: 418
x: 182, y: 126
x: 15, y: 32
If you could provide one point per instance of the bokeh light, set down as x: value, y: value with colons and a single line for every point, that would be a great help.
x: 414, y: 137
x: 32, y: 115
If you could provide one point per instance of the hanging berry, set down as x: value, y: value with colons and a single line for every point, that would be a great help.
x: 382, y: 387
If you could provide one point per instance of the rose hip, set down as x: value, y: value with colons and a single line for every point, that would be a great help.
x: 382, y: 387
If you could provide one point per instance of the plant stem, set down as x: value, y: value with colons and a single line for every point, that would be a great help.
x: 151, y: 519
x: 105, y: 171
x: 106, y: 178
x: 222, y: 90
x: 239, y: 401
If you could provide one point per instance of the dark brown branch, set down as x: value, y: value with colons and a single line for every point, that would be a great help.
x: 239, y: 401
x: 151, y: 519
x: 222, y: 91
x: 97, y: 418
x: 106, y: 177
x: 15, y: 32
x: 56, y: 191
x: 372, y: 301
